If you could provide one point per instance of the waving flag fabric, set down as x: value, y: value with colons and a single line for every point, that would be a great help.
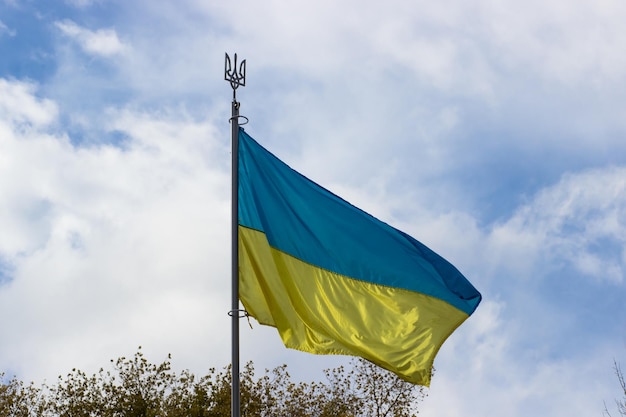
x: 335, y: 280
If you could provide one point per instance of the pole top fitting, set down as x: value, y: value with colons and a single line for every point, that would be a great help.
x: 236, y: 76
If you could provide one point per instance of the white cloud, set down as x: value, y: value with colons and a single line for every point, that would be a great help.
x: 579, y: 221
x: 103, y: 42
x: 455, y: 46
x: 484, y: 369
x: 4, y: 29
x: 19, y: 105
x: 82, y: 3
x: 111, y: 248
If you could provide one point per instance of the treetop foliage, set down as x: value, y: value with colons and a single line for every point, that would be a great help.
x: 137, y: 388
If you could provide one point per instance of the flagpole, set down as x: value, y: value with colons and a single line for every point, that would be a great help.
x: 236, y: 77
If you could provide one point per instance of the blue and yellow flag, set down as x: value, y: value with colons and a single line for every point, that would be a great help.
x: 335, y: 280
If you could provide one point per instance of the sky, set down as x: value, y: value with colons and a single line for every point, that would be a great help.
x: 492, y: 131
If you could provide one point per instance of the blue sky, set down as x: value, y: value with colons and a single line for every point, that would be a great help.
x: 493, y: 132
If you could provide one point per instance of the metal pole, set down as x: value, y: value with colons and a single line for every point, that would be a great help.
x: 235, y: 392
x: 236, y: 77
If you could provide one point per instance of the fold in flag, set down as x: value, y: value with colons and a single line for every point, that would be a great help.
x: 334, y: 280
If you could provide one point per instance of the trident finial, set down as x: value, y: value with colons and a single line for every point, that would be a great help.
x: 236, y: 76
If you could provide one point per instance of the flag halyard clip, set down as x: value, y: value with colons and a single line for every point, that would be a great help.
x: 241, y: 314
x: 239, y: 117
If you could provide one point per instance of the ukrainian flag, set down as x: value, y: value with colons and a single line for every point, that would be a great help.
x: 334, y: 280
